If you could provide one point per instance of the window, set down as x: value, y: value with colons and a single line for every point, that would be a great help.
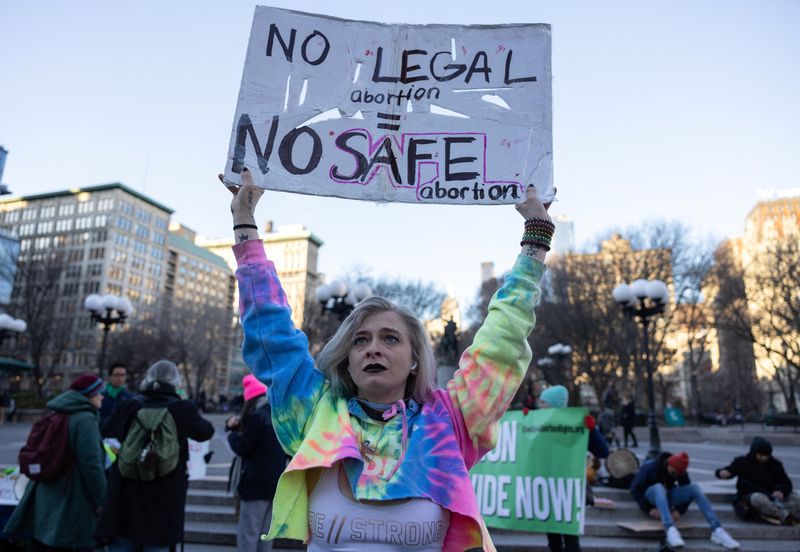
x: 86, y: 207
x: 97, y: 253
x: 99, y: 236
x: 105, y: 204
x: 100, y: 220
x: 75, y: 255
x: 47, y: 212
x: 94, y: 269
x: 124, y: 224
x: 12, y: 216
x: 158, y: 239
x: 42, y: 243
x: 64, y: 225
x: 45, y: 227
x: 29, y: 213
x: 66, y: 209
x: 91, y: 287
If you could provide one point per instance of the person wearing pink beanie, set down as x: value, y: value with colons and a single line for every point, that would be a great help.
x: 252, y: 387
x: 258, y: 466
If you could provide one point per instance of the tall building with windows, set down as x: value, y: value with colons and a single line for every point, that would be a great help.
x: 294, y: 251
x: 99, y: 239
x: 200, y: 287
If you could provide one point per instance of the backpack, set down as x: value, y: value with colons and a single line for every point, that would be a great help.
x: 150, y: 449
x: 47, y: 454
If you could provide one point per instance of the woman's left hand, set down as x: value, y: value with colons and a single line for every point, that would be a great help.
x: 532, y: 206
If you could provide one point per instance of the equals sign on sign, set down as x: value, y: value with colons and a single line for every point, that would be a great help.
x: 389, y: 117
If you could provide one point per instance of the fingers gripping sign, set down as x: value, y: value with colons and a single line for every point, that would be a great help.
x: 243, y: 206
x: 537, y: 221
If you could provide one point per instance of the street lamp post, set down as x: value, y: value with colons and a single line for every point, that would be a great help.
x: 10, y: 327
x: 107, y: 310
x: 561, y: 353
x: 642, y: 300
x: 338, y: 299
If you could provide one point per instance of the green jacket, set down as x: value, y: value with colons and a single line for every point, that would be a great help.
x: 62, y: 512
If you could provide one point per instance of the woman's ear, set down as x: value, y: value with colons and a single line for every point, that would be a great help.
x: 414, y: 368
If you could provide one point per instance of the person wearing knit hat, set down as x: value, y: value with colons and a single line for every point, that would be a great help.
x: 556, y: 396
x: 60, y: 513
x: 259, y: 464
x: 663, y: 490
x: 87, y: 385
x: 252, y: 387
x: 763, y: 490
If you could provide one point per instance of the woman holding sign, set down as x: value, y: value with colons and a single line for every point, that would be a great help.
x: 380, y: 457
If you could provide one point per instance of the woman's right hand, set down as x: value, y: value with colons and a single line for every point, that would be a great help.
x: 245, y: 198
x: 243, y: 205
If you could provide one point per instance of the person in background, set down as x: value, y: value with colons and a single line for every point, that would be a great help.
x: 762, y: 486
x: 253, y: 439
x: 663, y: 491
x: 628, y: 418
x: 116, y: 390
x: 61, y: 513
x: 557, y: 396
x: 148, y: 515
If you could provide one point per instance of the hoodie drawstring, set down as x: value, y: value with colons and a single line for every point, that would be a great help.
x: 387, y: 415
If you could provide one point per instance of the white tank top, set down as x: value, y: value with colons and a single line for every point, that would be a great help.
x: 338, y: 523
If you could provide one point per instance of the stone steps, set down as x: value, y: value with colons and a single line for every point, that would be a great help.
x: 211, y: 521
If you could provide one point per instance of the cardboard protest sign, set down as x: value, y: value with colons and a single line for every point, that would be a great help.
x: 535, y: 478
x: 394, y: 113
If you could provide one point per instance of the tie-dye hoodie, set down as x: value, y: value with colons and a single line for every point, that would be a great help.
x: 445, y: 437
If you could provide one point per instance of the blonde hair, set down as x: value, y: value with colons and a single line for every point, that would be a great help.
x: 332, y: 360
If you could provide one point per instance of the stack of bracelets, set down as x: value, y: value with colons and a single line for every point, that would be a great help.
x: 538, y: 232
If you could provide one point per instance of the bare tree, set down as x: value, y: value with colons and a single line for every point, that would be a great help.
x: 760, y: 303
x: 35, y: 299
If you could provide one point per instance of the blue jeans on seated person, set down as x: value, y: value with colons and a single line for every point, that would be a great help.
x: 678, y: 496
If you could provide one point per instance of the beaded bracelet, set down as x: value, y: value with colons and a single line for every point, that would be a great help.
x: 538, y: 232
x: 238, y: 226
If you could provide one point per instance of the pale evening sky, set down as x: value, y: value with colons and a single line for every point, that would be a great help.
x: 681, y: 110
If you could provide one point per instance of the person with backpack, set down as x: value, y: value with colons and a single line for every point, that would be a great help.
x: 146, y: 499
x: 63, y: 457
x: 260, y: 464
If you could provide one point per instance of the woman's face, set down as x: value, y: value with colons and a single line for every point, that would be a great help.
x: 381, y: 358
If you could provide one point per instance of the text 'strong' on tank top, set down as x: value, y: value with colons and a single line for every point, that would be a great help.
x: 338, y: 523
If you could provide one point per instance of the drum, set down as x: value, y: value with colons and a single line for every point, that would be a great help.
x: 621, y: 465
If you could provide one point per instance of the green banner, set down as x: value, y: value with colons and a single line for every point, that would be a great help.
x: 535, y: 478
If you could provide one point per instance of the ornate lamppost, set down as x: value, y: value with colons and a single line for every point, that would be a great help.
x: 107, y: 310
x: 338, y: 299
x: 643, y: 300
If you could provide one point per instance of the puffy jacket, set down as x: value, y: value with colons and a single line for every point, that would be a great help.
x: 62, y: 512
x: 263, y: 459
x: 756, y: 477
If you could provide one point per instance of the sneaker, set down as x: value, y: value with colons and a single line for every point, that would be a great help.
x: 674, y: 539
x: 720, y: 536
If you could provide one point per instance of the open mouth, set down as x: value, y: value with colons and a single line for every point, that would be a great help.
x: 374, y: 368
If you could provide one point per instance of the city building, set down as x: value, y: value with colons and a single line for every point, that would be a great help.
x: 106, y: 239
x: 199, y: 287
x: 294, y: 250
x: 564, y: 235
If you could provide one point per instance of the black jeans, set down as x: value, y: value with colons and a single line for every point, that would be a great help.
x: 37, y: 546
x: 629, y: 431
x: 563, y: 543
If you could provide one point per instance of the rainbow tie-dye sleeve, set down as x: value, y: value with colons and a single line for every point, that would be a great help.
x: 492, y: 368
x: 274, y: 350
